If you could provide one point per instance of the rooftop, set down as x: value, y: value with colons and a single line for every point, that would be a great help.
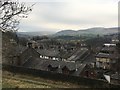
x: 42, y: 64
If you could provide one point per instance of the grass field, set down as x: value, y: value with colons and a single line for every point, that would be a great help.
x: 10, y: 80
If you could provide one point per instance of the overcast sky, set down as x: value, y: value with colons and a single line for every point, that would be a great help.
x: 57, y: 15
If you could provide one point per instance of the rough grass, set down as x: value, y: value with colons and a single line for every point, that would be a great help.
x: 27, y: 81
x: 16, y: 83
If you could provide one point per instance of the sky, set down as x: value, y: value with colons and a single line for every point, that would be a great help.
x: 57, y: 15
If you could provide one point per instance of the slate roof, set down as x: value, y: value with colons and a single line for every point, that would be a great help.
x: 111, y: 53
x: 115, y: 76
x: 109, y: 49
x: 71, y: 66
x: 43, y: 64
x: 49, y: 52
x: 80, y: 69
x: 103, y: 55
x: 78, y: 54
x: 20, y: 49
x: 55, y: 64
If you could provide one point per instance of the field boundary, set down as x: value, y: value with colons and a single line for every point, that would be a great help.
x: 94, y: 83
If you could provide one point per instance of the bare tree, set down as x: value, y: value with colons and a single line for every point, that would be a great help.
x: 11, y: 12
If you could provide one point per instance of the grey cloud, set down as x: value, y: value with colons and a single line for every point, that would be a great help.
x: 53, y: 12
x: 31, y: 28
x: 56, y: 13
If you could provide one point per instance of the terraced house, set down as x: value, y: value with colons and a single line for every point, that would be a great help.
x: 107, y: 57
x: 49, y: 60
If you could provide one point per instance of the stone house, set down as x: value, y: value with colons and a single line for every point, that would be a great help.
x: 107, y: 57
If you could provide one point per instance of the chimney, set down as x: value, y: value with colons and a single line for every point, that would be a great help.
x: 29, y: 44
x: 59, y: 66
x: 76, y: 67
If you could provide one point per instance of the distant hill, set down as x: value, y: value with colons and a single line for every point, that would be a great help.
x: 66, y: 32
x: 93, y: 31
x: 83, y: 32
x: 39, y: 33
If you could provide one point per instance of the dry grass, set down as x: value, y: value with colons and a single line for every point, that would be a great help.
x: 27, y: 81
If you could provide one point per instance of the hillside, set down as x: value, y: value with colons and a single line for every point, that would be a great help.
x: 66, y: 32
x: 83, y: 32
x: 29, y: 81
x: 92, y: 31
x: 38, y: 33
